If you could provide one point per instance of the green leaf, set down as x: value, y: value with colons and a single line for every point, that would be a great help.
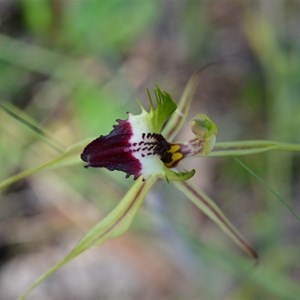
x: 209, y: 207
x: 34, y: 58
x: 107, y: 27
x: 38, y: 15
x: 113, y: 225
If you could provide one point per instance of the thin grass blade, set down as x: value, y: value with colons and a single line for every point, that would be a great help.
x: 269, y: 188
x: 28, y: 122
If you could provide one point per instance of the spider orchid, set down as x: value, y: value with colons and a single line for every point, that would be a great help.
x: 137, y: 147
x: 143, y: 146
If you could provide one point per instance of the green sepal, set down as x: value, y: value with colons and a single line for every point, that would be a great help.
x: 113, y: 225
x: 238, y: 148
x: 210, y: 208
x: 70, y: 156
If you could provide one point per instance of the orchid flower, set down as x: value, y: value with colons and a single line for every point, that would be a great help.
x: 137, y: 147
x: 144, y: 146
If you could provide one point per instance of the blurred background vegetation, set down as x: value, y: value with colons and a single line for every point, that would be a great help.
x: 72, y: 67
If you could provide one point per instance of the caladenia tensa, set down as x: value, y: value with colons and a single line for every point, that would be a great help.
x: 144, y: 146
x: 137, y: 147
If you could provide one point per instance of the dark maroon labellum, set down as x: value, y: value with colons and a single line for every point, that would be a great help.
x: 113, y: 151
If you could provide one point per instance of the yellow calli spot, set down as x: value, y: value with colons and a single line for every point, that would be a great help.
x: 174, y: 148
x: 176, y: 156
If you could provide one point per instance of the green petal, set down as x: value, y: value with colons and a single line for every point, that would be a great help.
x: 210, y: 208
x: 69, y: 157
x: 237, y: 148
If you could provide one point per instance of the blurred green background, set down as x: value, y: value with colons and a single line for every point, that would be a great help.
x: 73, y: 67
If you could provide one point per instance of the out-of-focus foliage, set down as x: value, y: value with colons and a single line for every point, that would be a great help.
x: 73, y: 67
